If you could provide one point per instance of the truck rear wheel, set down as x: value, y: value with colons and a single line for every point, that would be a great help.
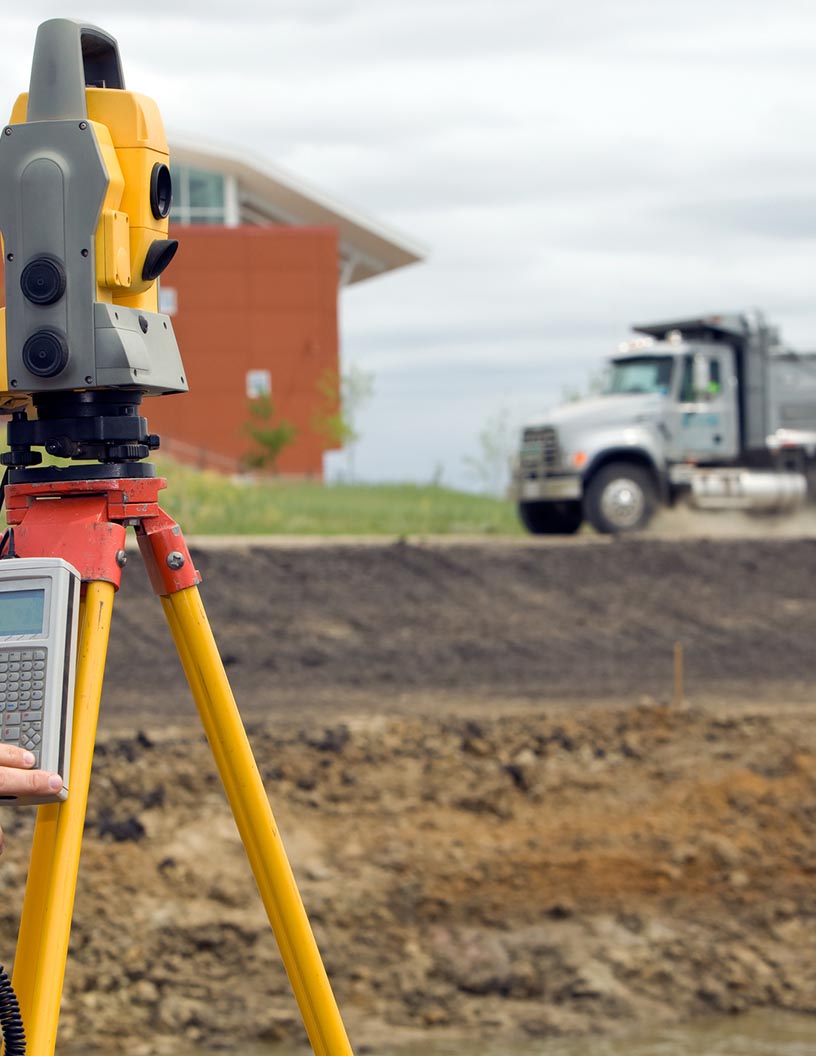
x: 551, y: 518
x: 621, y: 497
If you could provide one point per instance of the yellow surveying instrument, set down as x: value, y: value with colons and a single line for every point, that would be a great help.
x: 85, y: 194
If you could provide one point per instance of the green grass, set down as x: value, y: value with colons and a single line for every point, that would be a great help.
x: 208, y: 504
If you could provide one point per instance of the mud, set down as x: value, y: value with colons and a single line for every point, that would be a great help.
x: 500, y: 825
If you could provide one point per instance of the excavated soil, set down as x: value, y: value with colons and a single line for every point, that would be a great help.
x: 501, y: 824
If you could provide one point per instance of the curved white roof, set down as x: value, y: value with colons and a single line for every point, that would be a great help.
x: 263, y: 194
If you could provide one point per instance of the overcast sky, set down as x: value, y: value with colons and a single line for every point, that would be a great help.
x: 571, y: 168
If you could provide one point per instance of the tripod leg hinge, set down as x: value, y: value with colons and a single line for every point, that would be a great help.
x: 167, y: 559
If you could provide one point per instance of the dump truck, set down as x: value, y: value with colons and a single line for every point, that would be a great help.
x: 715, y: 410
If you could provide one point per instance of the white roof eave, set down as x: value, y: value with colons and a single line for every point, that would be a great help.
x: 374, y: 248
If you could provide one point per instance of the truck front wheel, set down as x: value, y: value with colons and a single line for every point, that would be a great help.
x: 551, y: 518
x: 621, y: 497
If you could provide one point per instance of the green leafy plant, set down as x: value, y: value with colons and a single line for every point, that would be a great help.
x: 342, y: 399
x: 269, y: 434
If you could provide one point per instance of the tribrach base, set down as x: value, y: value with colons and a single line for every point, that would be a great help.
x: 84, y: 522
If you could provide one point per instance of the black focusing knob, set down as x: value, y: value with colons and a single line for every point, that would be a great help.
x: 43, y: 280
x: 45, y: 353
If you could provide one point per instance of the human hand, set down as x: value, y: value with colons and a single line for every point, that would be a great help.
x: 18, y: 778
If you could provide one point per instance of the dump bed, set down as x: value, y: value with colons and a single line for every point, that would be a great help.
x: 792, y: 392
x: 729, y: 327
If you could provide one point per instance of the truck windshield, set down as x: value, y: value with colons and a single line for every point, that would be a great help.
x: 639, y: 374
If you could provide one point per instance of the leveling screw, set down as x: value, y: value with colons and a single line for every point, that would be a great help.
x: 175, y: 560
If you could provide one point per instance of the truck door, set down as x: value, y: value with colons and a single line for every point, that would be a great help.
x: 705, y: 426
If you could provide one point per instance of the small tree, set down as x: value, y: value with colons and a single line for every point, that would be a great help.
x: 343, y: 399
x: 270, y: 436
x: 491, y: 465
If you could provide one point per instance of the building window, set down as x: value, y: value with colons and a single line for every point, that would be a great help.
x: 168, y: 300
x: 198, y: 196
x: 258, y: 384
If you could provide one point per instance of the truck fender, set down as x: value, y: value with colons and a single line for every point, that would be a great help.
x: 639, y: 457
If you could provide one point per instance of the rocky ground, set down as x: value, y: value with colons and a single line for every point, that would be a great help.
x: 500, y: 824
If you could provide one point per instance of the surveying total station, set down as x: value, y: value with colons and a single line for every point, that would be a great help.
x: 85, y: 193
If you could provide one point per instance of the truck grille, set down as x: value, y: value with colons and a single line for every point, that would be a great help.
x: 540, y: 450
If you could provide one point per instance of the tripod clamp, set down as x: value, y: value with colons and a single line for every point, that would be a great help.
x: 87, y: 526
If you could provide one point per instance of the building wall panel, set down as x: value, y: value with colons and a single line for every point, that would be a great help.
x: 251, y: 298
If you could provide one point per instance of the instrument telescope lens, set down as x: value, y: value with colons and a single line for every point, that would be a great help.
x: 161, y: 191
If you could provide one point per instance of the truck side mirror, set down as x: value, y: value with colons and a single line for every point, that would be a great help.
x: 701, y: 372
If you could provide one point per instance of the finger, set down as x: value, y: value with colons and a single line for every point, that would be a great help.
x: 12, y: 755
x: 14, y: 782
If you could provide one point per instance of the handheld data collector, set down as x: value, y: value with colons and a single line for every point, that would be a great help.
x: 39, y: 608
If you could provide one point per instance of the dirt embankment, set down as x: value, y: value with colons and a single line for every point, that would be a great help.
x: 387, y: 626
x: 477, y: 860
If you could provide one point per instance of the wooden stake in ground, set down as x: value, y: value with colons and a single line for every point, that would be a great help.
x: 678, y: 695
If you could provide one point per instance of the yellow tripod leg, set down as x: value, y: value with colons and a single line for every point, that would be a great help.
x: 45, y: 925
x: 256, y: 824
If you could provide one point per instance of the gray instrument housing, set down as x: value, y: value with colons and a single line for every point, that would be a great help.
x: 53, y: 182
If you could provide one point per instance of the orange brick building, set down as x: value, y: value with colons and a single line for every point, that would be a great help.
x: 253, y: 295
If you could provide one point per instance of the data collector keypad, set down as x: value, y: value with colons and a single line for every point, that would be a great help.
x: 22, y: 693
